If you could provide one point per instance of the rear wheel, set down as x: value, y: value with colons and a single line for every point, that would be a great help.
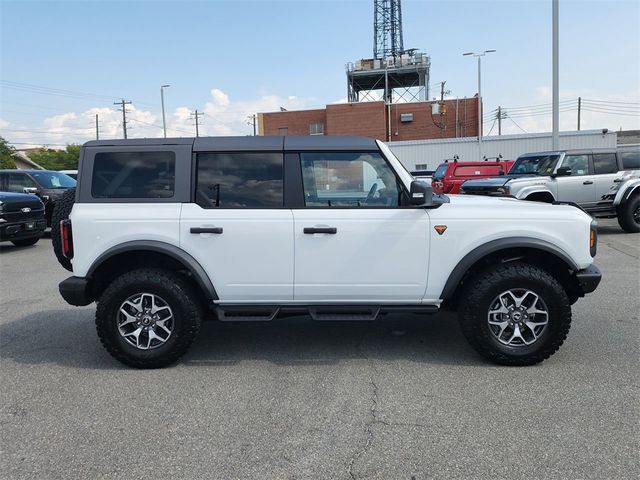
x: 148, y: 318
x: 515, y: 314
x: 629, y: 214
x: 25, y: 242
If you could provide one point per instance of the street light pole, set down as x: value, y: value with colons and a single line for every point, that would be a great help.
x: 479, y: 56
x: 164, y: 122
x: 555, y: 135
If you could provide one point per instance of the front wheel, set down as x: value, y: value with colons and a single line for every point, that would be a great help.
x: 148, y: 318
x: 629, y: 214
x: 515, y: 314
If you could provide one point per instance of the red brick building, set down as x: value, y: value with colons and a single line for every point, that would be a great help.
x: 396, y: 122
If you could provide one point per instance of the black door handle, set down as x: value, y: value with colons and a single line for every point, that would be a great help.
x: 217, y: 230
x: 312, y: 230
x: 587, y: 182
x: 617, y: 180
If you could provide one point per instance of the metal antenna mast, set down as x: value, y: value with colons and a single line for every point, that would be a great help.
x: 387, y: 28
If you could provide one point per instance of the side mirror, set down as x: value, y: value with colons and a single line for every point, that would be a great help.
x: 421, y: 194
x: 562, y: 172
x: 31, y: 190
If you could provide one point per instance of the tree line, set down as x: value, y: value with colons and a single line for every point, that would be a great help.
x: 47, y: 158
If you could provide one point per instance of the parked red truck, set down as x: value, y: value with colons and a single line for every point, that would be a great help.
x: 449, y: 176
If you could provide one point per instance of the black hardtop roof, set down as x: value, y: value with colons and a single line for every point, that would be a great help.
x: 250, y: 143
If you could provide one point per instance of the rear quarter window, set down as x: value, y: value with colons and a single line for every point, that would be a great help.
x: 440, y: 172
x: 630, y: 160
x: 135, y: 175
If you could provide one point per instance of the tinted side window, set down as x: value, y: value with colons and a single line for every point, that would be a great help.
x: 630, y: 160
x: 605, y: 163
x: 17, y: 182
x: 240, y: 180
x: 349, y: 180
x: 133, y: 175
x: 579, y: 164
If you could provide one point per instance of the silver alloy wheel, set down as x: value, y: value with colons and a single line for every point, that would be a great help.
x: 145, y: 321
x: 517, y: 317
x: 636, y: 215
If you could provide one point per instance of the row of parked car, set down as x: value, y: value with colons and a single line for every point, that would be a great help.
x: 27, y: 199
x: 600, y: 181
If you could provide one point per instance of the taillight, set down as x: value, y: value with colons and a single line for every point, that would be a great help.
x: 593, y: 238
x: 66, y: 238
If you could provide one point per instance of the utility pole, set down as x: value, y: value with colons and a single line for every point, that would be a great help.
x: 443, y: 109
x: 555, y: 137
x: 499, y: 120
x: 252, y: 121
x: 579, y: 108
x: 196, y: 115
x: 123, y: 106
x: 97, y: 132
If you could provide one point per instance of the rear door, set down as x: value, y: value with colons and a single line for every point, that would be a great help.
x: 355, y: 241
x: 238, y: 229
x: 605, y: 168
x: 579, y: 187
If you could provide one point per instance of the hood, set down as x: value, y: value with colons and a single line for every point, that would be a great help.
x: 494, y: 182
x: 10, y: 197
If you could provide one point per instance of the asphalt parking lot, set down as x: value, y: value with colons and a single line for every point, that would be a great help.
x: 401, y: 398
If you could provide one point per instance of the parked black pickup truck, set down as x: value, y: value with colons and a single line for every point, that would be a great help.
x: 22, y: 220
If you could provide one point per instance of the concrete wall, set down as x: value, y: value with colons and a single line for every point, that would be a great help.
x: 434, y: 152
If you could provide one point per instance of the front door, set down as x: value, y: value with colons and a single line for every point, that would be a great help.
x: 579, y: 187
x: 355, y: 240
x: 238, y: 228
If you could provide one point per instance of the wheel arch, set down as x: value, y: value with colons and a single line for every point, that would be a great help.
x: 535, y: 251
x: 539, y: 195
x: 143, y: 253
x: 628, y: 189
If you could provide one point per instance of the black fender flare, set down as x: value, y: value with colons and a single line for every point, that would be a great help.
x: 190, y: 263
x: 493, y: 246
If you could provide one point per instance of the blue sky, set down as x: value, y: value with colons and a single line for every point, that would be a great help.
x: 233, y: 58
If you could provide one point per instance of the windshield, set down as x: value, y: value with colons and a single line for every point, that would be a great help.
x: 54, y: 180
x: 440, y: 171
x: 538, y: 165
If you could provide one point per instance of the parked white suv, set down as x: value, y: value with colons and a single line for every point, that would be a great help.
x: 604, y: 182
x: 162, y: 232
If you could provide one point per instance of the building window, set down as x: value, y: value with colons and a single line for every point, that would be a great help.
x: 422, y: 166
x: 316, y: 129
x: 283, y: 131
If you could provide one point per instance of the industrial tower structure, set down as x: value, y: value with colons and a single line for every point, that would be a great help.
x: 387, y: 28
x: 403, y: 75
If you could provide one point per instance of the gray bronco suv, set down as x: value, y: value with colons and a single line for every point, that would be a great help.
x: 604, y: 182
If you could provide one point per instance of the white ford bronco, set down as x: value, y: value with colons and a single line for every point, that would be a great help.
x: 604, y: 182
x: 162, y: 233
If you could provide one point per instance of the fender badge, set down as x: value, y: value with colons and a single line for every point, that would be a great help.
x: 440, y: 229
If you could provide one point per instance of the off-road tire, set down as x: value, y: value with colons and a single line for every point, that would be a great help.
x: 25, y: 242
x: 171, y: 287
x: 483, y: 287
x: 61, y: 211
x: 626, y: 212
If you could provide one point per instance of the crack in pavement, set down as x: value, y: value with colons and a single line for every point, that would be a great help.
x: 621, y: 251
x: 368, y: 427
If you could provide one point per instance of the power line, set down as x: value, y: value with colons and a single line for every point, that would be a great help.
x: 514, y: 122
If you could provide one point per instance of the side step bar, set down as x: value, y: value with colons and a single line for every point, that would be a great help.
x: 327, y: 313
